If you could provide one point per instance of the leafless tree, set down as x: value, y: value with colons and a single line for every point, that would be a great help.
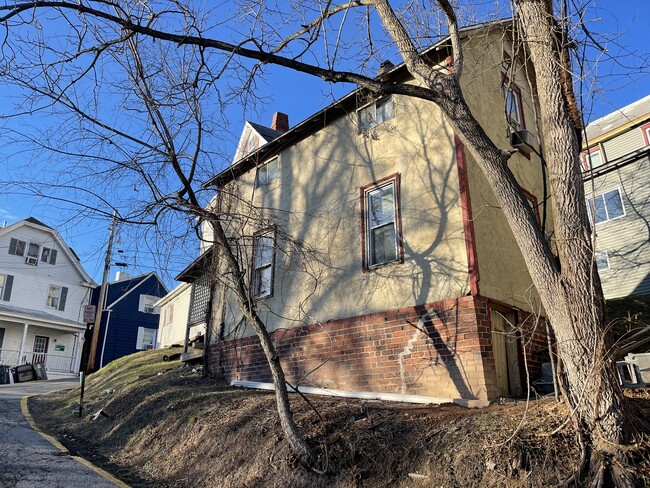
x: 293, y: 36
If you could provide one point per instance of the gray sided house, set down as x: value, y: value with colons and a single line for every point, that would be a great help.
x: 616, y: 161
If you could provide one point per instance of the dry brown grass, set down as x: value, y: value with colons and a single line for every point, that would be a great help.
x: 169, y: 427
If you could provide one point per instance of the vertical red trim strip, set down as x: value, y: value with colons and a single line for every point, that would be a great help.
x: 468, y: 224
x: 362, y: 194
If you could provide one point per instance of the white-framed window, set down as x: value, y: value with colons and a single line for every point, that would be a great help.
x: 606, y: 206
x: 263, y: 260
x: 6, y: 283
x: 48, y: 255
x: 147, y: 304
x: 592, y: 159
x: 17, y: 247
x: 376, y: 113
x: 30, y: 250
x: 602, y: 260
x: 146, y: 338
x: 513, y: 105
x: 266, y: 173
x: 381, y: 224
x: 56, y: 297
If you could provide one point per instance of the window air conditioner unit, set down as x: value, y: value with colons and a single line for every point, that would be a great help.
x: 523, y: 140
x: 149, y: 310
x: 31, y: 260
x: 148, y: 346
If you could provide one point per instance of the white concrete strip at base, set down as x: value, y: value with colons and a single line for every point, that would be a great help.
x: 64, y: 450
x: 365, y: 395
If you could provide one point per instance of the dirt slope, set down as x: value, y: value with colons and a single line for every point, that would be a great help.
x: 165, y: 426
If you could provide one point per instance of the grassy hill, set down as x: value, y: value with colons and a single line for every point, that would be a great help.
x: 166, y: 426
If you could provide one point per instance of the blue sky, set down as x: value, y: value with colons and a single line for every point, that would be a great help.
x: 299, y: 96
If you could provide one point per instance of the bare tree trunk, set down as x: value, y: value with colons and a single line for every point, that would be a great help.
x: 579, y: 318
x: 289, y: 427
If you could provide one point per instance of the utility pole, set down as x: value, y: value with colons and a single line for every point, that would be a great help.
x: 102, y: 297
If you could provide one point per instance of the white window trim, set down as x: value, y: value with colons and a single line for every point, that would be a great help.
x: 368, y: 229
x: 602, y: 194
x: 58, y: 297
x: 140, y: 345
x: 142, y: 306
x: 276, y: 175
x: 386, y: 99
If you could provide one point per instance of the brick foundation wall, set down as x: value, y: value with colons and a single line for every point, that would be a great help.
x: 441, y: 349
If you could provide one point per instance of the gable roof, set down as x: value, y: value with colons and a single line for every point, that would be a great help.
x: 127, y: 286
x: 65, y: 249
x: 266, y: 132
x: 622, y: 119
x: 37, y: 222
x: 343, y: 106
x: 255, y: 133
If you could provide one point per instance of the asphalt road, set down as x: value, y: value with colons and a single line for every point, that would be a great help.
x: 27, y: 460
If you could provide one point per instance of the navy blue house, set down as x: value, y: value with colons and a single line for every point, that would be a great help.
x: 130, y: 320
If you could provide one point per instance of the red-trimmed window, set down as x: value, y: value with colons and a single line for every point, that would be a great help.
x: 514, y: 107
x: 592, y: 159
x: 263, y: 264
x: 382, y: 229
x: 645, y: 129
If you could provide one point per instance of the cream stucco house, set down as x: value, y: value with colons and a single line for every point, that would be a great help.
x: 375, y: 250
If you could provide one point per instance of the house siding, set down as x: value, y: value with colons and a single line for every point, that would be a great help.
x: 124, y: 318
x: 32, y: 283
x: 623, y: 144
x: 626, y: 239
x: 173, y: 332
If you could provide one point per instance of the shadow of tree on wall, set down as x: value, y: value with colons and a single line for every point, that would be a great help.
x: 322, y: 209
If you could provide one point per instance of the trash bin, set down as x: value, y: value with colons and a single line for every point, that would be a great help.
x: 5, y: 375
x: 24, y: 373
x: 39, y: 371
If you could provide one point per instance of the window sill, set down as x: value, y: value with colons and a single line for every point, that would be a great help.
x: 383, y: 265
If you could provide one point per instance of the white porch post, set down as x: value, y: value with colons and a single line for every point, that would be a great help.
x: 22, y: 343
x: 75, y: 352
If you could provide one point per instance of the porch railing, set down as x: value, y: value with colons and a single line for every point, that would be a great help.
x: 53, y: 362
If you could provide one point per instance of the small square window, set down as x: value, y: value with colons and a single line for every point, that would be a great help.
x: 147, y: 304
x: 267, y: 173
x: 592, y: 159
x: 376, y: 113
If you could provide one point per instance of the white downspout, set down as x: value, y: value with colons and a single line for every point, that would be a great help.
x: 108, y: 321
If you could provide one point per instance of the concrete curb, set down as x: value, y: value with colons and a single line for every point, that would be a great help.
x: 64, y: 450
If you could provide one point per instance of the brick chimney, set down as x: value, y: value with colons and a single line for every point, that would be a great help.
x: 280, y: 122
